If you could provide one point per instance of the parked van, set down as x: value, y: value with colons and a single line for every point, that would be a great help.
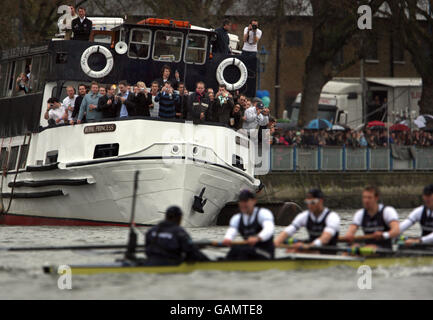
x: 387, y: 99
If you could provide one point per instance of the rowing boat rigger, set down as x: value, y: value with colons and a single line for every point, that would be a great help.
x: 295, y: 261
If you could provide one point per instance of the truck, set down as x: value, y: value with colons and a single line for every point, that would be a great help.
x: 387, y: 99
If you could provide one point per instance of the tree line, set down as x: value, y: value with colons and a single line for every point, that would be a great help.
x: 334, y: 26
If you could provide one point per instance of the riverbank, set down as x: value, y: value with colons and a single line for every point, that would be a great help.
x: 342, y: 190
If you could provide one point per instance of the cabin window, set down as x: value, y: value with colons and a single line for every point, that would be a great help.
x: 3, y: 78
x: 106, y: 151
x: 11, y: 81
x: 196, y: 50
x: 43, y: 71
x: 52, y: 157
x: 12, y: 163
x: 3, y: 158
x: 168, y: 46
x: 102, y: 38
x: 23, y: 156
x: 22, y: 71
x: 238, y: 162
x: 34, y: 73
x: 139, y: 44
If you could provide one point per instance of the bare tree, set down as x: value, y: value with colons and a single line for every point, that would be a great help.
x: 413, y: 23
x: 334, y: 25
x: 26, y: 22
x: 204, y: 13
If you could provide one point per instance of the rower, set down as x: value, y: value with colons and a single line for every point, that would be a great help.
x: 423, y: 215
x: 377, y: 220
x: 256, y: 226
x: 169, y: 244
x: 322, y: 224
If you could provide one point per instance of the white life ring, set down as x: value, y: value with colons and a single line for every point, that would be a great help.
x: 85, y: 62
x: 242, y: 68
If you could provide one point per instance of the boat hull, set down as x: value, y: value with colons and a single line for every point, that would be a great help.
x: 106, y: 201
x: 294, y: 262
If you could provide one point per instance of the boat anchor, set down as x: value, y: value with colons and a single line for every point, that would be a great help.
x: 199, y: 202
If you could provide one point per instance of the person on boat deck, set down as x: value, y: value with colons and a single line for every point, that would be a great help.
x: 69, y: 102
x: 198, y: 104
x: 124, y: 105
x: 154, y: 107
x: 322, y: 224
x: 375, y: 219
x: 169, y: 244
x: 256, y: 226
x: 106, y: 102
x: 423, y: 215
x: 81, y: 26
x: 167, y: 100
x: 89, y: 105
x: 166, y: 76
x: 82, y: 91
x: 55, y: 113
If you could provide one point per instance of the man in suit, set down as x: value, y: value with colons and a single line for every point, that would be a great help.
x: 81, y: 26
x: 222, y: 45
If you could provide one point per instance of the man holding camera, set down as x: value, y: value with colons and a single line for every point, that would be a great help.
x: 55, y: 113
x: 222, y: 106
x: 252, y: 35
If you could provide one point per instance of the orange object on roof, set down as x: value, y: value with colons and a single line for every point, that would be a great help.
x: 166, y: 22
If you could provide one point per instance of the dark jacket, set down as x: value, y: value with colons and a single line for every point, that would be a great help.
x: 141, y: 104
x: 77, y: 106
x: 82, y: 30
x: 196, y: 106
x: 237, y: 118
x: 182, y: 106
x: 129, y: 103
x: 108, y: 110
x: 221, y: 111
x: 222, y: 43
x: 168, y: 242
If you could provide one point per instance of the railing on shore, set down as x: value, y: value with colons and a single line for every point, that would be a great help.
x: 285, y: 158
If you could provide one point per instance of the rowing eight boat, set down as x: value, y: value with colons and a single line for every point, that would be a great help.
x: 295, y: 261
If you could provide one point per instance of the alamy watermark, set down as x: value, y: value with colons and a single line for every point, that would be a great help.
x: 365, y: 20
x: 365, y: 280
x: 65, y: 279
x: 248, y: 150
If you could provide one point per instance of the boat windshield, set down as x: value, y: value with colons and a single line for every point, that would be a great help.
x: 168, y: 46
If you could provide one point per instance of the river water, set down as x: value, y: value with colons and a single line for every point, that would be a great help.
x: 21, y: 274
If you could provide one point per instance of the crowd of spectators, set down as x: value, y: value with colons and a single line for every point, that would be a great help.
x: 372, y: 138
x: 167, y: 98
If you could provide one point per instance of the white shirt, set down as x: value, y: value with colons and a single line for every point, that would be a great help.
x: 265, y: 219
x: 414, y: 217
x: 69, y: 102
x: 250, y: 45
x: 155, y: 111
x: 56, y: 114
x: 253, y: 120
x: 301, y: 220
x: 389, y: 215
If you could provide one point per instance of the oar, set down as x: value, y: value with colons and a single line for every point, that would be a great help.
x: 84, y: 247
x: 205, y: 243
x: 218, y: 244
x: 364, y: 251
x: 132, y: 242
x: 358, y: 238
